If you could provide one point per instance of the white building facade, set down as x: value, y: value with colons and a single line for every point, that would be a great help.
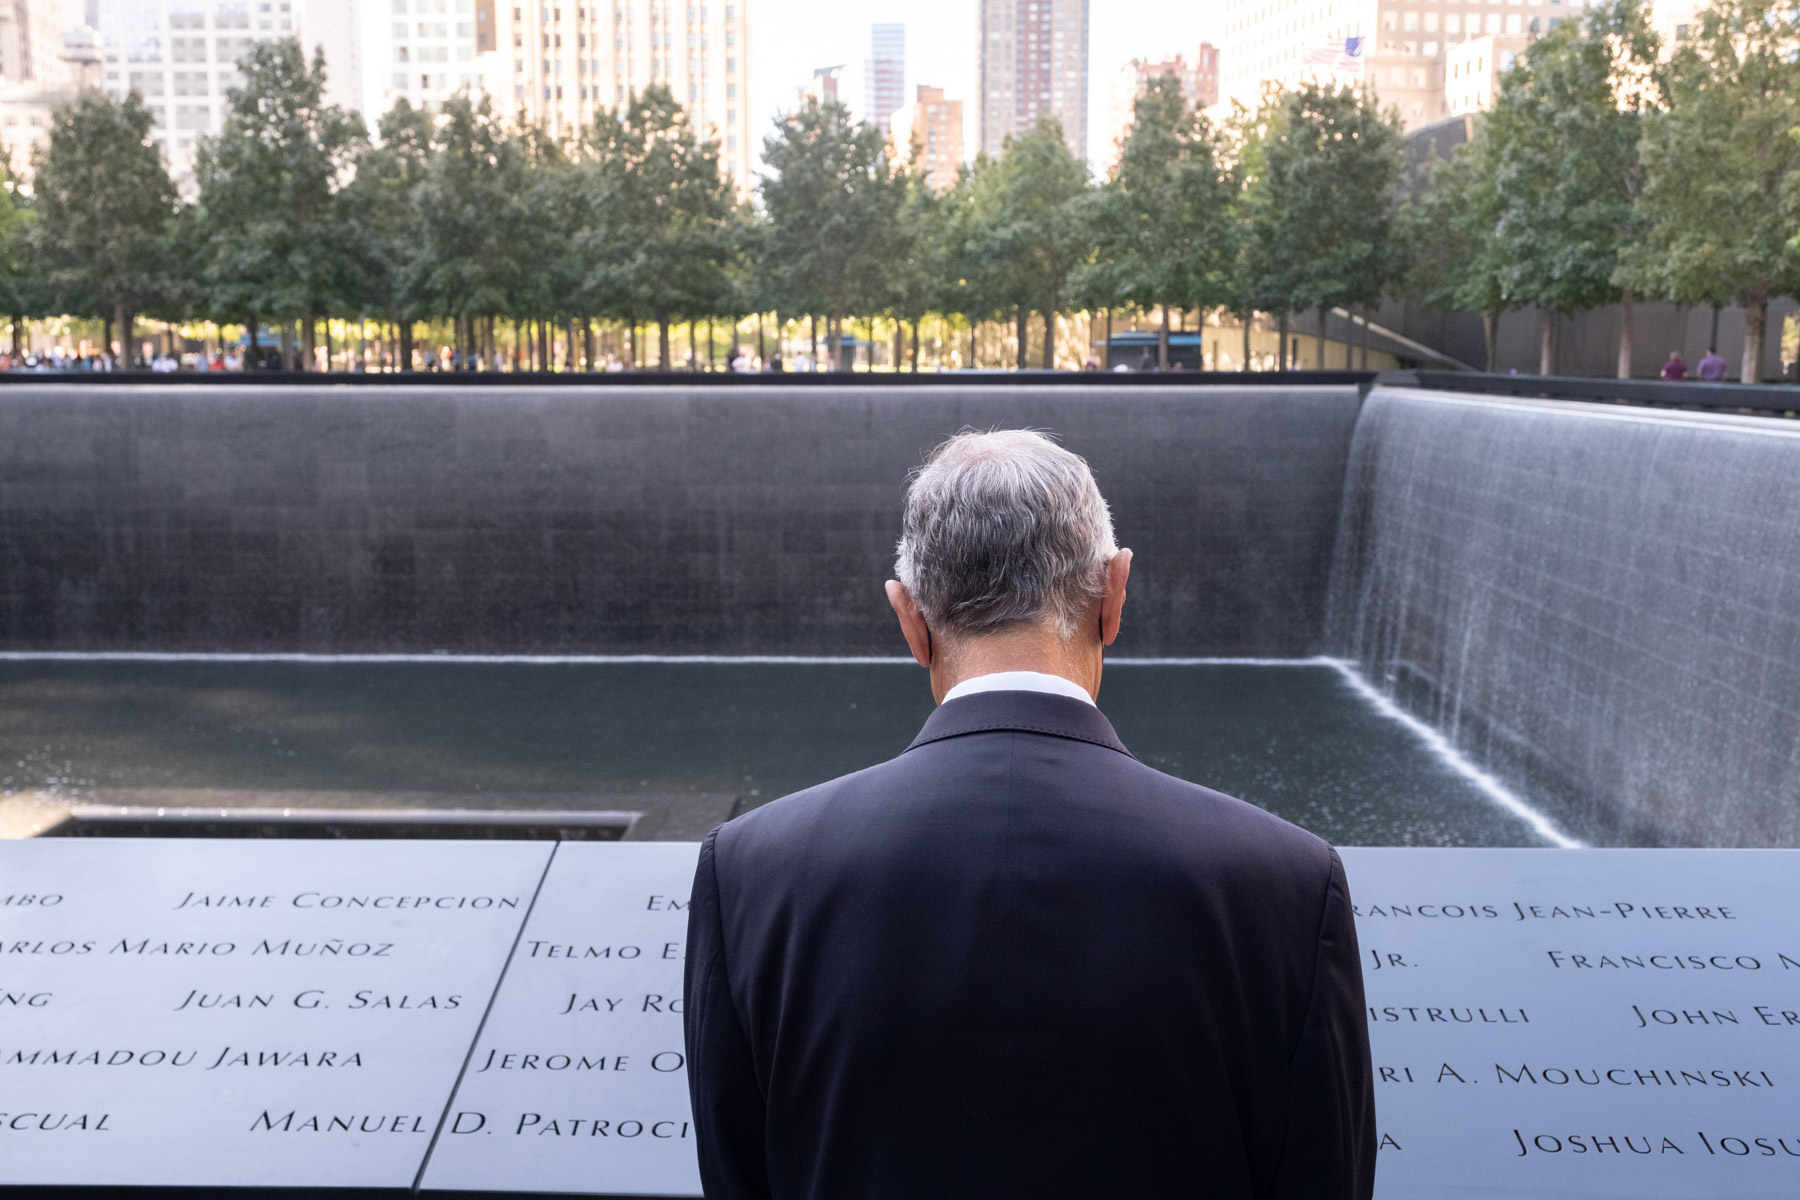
x: 1406, y: 44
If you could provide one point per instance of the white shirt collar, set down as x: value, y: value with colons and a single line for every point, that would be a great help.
x: 1019, y: 681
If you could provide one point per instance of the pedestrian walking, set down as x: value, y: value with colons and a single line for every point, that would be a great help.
x: 1712, y: 367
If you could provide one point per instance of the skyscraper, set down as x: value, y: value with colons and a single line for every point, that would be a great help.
x: 884, y: 76
x: 1034, y: 63
x: 572, y: 58
x: 931, y: 127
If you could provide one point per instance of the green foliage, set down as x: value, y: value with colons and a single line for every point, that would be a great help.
x: 472, y: 214
x: 661, y: 237
x: 21, y: 285
x: 1028, y: 227
x: 832, y: 201
x: 1165, y: 225
x: 1721, y: 196
x: 1321, y: 169
x: 105, y: 209
x: 273, y: 241
x: 378, y: 207
x: 1563, y: 141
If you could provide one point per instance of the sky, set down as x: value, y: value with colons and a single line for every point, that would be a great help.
x: 789, y: 38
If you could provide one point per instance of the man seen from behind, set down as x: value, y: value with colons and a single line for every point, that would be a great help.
x: 1015, y: 961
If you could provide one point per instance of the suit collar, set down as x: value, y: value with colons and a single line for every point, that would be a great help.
x: 1024, y: 712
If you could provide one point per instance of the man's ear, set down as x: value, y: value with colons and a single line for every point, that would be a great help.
x: 912, y: 622
x: 1112, y: 600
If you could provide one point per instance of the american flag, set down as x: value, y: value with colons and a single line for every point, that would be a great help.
x: 1340, y: 56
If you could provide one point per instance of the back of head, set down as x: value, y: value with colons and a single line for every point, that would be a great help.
x: 1003, y: 529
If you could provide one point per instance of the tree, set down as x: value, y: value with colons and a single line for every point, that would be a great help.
x: 21, y: 284
x: 379, y: 206
x: 1564, y: 132
x: 1721, y: 195
x: 273, y: 240
x: 662, y: 238
x: 1165, y: 224
x: 1460, y: 263
x: 1028, y: 219
x: 105, y: 207
x: 833, y: 201
x: 1321, y: 199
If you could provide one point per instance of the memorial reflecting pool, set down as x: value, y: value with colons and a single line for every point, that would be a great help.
x: 1297, y: 739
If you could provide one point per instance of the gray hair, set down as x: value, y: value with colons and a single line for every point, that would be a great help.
x: 1004, y: 528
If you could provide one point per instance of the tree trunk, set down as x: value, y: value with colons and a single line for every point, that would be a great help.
x: 762, y: 346
x: 1050, y: 332
x: 812, y: 334
x: 1319, y: 341
x: 106, y: 328
x: 1490, y: 334
x: 662, y: 343
x: 309, y: 335
x: 1281, y: 350
x: 1625, y: 333
x: 1756, y: 329
x: 1162, y: 342
x: 1365, y: 338
x: 122, y: 322
x: 971, y: 343
x: 1546, y: 341
x: 1022, y: 333
x: 1248, y: 317
x: 834, y: 336
x: 406, y: 347
x: 915, y: 357
x: 587, y: 343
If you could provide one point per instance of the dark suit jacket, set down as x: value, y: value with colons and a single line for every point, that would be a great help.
x: 1016, y: 962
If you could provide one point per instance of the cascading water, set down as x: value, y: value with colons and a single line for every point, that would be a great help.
x: 1603, y: 601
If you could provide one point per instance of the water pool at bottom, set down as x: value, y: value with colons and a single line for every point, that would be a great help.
x: 1297, y: 739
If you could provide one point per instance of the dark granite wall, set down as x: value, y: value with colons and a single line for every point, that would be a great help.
x: 618, y: 519
x: 1603, y: 600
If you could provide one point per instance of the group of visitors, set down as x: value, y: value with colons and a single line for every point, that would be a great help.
x: 1710, y: 369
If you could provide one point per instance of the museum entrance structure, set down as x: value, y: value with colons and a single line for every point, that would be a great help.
x: 414, y: 701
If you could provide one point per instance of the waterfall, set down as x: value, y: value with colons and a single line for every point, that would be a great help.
x: 1601, y: 601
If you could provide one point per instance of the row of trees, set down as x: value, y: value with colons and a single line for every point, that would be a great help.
x: 1608, y: 172
x: 463, y: 216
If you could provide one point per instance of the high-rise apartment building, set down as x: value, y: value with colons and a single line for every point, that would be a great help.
x: 1033, y: 63
x: 181, y: 56
x: 931, y: 127
x: 884, y: 76
x: 570, y: 59
x: 1198, y: 75
x: 1403, y: 49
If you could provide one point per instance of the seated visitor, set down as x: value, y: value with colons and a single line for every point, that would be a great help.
x: 1674, y: 368
x: 1015, y: 961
